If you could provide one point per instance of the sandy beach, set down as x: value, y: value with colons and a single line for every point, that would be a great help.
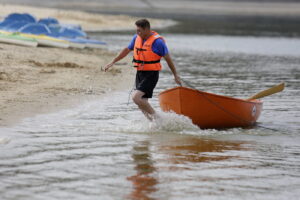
x: 41, y: 80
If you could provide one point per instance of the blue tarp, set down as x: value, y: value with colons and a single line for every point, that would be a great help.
x: 35, y: 28
x: 48, y: 21
x: 20, y: 17
x: 26, y: 23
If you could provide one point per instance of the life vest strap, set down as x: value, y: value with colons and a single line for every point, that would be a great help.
x: 145, y: 62
x: 141, y: 49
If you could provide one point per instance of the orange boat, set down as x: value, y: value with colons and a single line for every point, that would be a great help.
x: 209, y: 110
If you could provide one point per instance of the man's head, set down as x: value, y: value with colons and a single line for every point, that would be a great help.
x: 143, y: 28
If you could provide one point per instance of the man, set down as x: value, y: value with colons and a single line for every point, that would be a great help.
x: 148, y: 47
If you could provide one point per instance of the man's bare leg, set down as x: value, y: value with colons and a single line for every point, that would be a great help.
x: 147, y: 115
x: 143, y: 104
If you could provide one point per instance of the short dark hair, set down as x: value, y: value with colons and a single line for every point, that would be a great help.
x: 143, y: 23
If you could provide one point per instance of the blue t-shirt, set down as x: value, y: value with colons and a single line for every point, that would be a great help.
x: 159, y: 46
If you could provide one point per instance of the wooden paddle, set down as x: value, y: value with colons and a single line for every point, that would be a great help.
x: 270, y: 91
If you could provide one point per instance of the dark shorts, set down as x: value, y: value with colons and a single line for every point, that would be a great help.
x: 146, y: 81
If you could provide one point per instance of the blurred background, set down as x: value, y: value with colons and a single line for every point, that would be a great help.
x: 229, y: 17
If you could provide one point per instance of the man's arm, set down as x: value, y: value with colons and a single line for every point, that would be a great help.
x: 171, y: 65
x: 120, y: 56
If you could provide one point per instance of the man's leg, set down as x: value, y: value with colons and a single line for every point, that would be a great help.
x: 143, y: 104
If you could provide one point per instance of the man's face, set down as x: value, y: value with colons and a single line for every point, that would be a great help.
x: 143, y: 33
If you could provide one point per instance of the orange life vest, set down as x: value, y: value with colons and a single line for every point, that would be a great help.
x: 144, y: 59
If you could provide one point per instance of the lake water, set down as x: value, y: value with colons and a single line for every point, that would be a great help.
x: 105, y: 149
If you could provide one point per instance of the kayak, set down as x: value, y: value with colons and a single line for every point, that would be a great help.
x: 211, y: 111
x: 74, y: 43
x: 16, y: 39
x: 48, y: 41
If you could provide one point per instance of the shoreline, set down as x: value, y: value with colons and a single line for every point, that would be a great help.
x: 40, y: 80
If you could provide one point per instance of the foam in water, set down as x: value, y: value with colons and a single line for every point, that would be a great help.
x: 170, y: 122
x: 4, y: 140
x: 165, y: 122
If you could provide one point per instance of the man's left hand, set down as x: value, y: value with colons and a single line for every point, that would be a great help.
x: 177, y: 80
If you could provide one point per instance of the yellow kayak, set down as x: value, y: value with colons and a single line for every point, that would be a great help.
x: 44, y: 40
x: 4, y: 32
x: 16, y: 39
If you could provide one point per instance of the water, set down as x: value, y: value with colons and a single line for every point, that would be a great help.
x: 106, y: 149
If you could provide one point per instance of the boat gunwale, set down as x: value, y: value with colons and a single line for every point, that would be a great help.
x: 253, y: 101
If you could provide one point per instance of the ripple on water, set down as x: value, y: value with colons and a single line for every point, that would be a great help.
x: 107, y: 149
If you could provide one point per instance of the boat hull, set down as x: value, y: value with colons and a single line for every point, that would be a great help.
x: 10, y: 38
x: 47, y: 41
x: 209, y: 110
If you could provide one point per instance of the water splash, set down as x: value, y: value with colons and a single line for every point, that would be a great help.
x: 165, y: 122
x: 172, y: 122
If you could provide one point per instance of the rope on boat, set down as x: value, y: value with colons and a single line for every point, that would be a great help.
x: 228, y: 112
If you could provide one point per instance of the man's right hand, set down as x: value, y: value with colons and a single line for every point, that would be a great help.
x: 121, y: 55
x: 108, y: 66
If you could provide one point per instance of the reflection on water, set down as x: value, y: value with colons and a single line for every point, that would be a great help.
x: 179, y: 151
x: 193, y: 149
x: 144, y: 181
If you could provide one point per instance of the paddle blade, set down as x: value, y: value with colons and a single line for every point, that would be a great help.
x: 268, y: 92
